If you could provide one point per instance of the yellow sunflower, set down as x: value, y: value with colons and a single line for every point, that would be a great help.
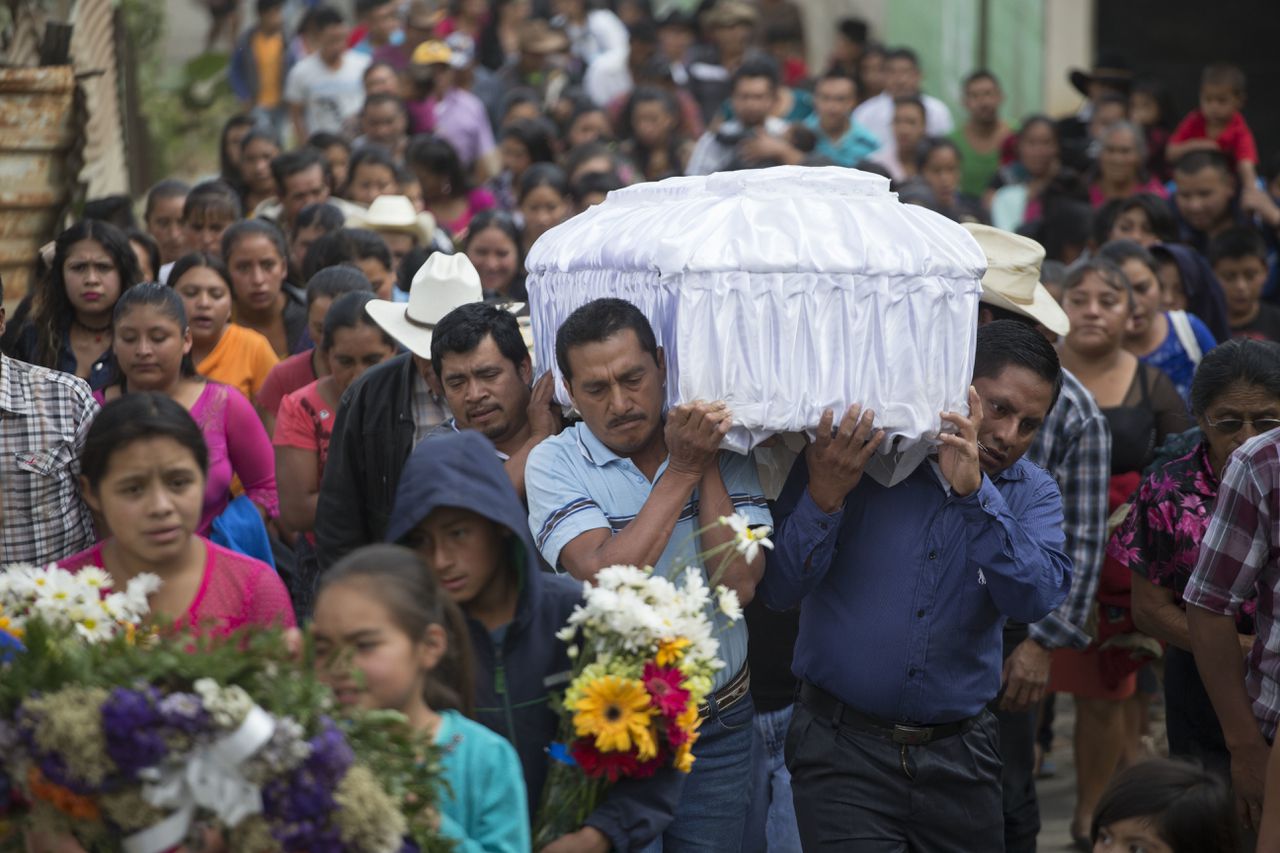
x: 616, y: 712
x: 671, y: 651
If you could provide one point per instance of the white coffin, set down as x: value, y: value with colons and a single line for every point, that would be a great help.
x: 784, y: 292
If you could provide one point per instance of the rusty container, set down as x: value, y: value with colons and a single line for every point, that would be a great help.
x: 36, y: 135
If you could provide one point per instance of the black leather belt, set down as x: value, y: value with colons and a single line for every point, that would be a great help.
x: 731, y: 694
x: 822, y: 704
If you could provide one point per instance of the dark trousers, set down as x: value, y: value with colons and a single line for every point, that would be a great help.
x: 1192, y: 724
x: 1018, y: 755
x: 858, y: 792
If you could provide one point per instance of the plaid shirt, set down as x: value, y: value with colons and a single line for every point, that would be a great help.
x: 429, y: 411
x: 1239, y: 555
x: 44, y: 417
x: 1074, y: 445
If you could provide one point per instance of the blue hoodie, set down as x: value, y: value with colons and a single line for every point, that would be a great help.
x: 462, y: 470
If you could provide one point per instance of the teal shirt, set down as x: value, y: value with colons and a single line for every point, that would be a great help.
x: 856, y: 145
x: 484, y: 808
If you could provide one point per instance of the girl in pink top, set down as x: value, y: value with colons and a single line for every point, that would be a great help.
x: 152, y: 346
x: 351, y: 343
x: 144, y: 463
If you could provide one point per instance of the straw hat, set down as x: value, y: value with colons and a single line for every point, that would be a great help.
x: 728, y: 13
x: 539, y: 37
x: 396, y: 214
x: 442, y: 284
x: 1012, y: 280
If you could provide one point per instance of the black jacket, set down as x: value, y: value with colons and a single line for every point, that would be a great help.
x: 512, y: 697
x: 372, y: 437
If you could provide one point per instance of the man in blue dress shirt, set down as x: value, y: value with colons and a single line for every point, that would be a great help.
x: 905, y: 591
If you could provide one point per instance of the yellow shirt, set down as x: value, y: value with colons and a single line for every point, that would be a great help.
x: 268, y: 55
x: 242, y: 359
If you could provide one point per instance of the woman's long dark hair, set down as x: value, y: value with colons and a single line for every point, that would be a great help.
x: 506, y: 223
x: 50, y: 307
x: 227, y: 170
x: 638, y: 152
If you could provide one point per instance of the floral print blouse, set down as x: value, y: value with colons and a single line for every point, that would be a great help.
x: 1160, y: 538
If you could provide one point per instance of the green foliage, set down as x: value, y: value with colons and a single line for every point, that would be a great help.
x: 183, y: 108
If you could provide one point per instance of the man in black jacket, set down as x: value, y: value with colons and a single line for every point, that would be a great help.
x: 388, y: 411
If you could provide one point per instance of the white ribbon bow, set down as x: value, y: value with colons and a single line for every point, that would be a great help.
x: 211, y: 780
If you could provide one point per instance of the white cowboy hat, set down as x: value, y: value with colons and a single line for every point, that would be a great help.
x: 1012, y: 280
x: 396, y: 213
x: 440, y: 285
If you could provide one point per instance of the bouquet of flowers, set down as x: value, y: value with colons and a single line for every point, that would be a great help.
x: 142, y: 741
x: 644, y: 656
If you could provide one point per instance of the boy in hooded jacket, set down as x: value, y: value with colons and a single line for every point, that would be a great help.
x: 457, y: 508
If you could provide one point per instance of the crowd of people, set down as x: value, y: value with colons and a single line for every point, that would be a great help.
x: 301, y: 392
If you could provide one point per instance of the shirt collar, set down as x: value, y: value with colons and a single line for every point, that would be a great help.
x: 453, y: 425
x: 595, y: 450
x: 13, y: 392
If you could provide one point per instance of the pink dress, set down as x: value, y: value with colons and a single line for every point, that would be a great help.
x: 1154, y: 187
x: 238, y: 447
x: 236, y: 591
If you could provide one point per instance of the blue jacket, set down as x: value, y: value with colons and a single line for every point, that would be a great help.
x: 243, y: 72
x: 462, y: 470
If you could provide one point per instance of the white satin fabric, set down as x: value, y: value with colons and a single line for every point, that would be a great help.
x: 784, y: 292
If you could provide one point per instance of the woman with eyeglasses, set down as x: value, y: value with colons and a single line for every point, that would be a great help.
x: 1235, y: 396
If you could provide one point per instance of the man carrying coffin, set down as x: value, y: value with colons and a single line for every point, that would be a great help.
x: 905, y: 591
x: 630, y: 485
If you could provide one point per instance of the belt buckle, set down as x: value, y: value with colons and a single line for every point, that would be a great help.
x: 912, y: 735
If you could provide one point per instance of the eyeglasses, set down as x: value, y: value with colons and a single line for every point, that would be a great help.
x: 1231, y: 426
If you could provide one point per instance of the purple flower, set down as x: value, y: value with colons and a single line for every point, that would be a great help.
x: 133, y: 729
x: 331, y: 756
x: 185, y: 713
x: 299, y: 804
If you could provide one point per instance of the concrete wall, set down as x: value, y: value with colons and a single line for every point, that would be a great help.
x: 1030, y: 44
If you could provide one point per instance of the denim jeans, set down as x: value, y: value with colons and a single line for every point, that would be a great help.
x: 771, y: 823
x: 712, y: 814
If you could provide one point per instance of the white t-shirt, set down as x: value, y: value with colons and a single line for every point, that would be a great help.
x: 876, y: 115
x: 329, y: 96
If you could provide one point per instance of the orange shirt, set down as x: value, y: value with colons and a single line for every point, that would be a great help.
x: 242, y: 359
x: 268, y: 55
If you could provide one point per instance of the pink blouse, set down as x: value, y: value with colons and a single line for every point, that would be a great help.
x: 238, y: 447
x: 236, y: 591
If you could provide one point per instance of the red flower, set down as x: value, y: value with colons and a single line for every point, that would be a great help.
x: 613, y: 765
x: 663, y: 684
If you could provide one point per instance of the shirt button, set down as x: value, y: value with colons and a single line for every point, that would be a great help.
x: 912, y: 672
x: 822, y: 525
x: 933, y: 555
x: 920, y: 614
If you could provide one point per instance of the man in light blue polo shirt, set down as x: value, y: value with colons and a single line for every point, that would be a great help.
x: 628, y: 486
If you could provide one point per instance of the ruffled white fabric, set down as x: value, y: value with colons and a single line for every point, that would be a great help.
x: 784, y: 292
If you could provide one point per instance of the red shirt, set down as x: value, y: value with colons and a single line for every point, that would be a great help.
x: 1236, y: 140
x: 288, y: 376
